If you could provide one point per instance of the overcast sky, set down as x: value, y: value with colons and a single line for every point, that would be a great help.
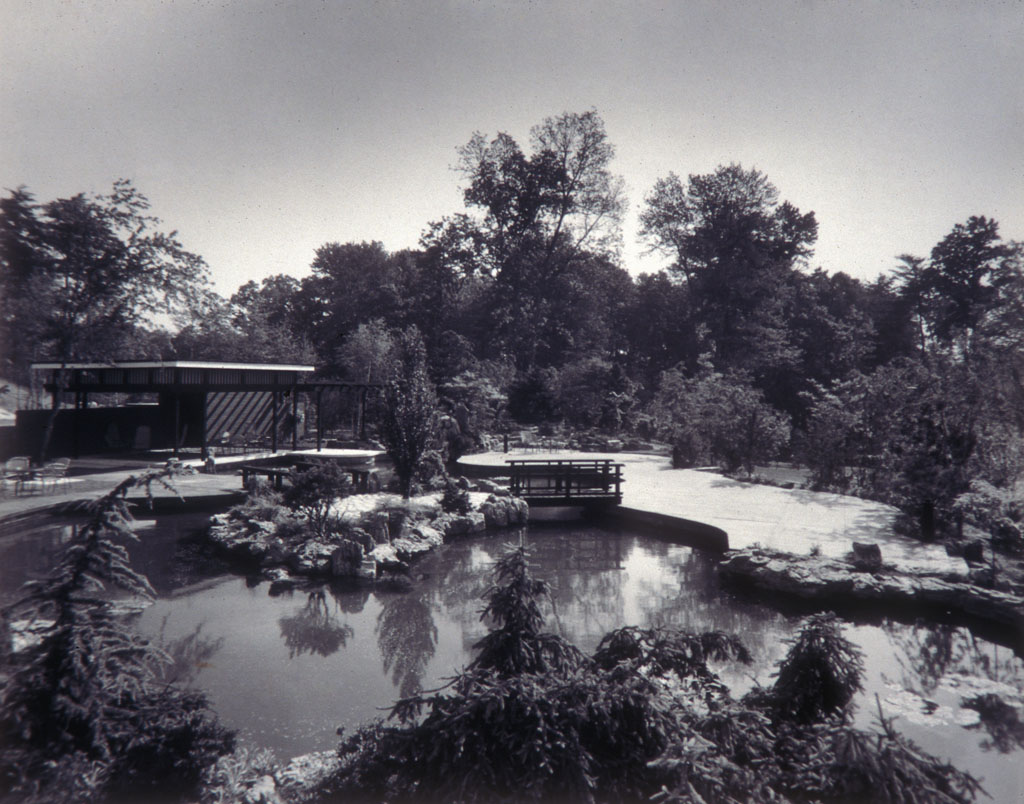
x: 262, y: 130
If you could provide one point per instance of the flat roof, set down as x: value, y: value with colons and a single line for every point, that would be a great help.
x: 195, y: 364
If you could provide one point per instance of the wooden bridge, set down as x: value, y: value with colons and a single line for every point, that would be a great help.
x: 567, y: 482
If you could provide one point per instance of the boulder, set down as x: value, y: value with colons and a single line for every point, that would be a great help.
x: 346, y: 559
x: 312, y: 558
x: 460, y: 525
x: 495, y: 513
x: 519, y: 511
x: 263, y: 791
x: 490, y: 487
x: 867, y: 557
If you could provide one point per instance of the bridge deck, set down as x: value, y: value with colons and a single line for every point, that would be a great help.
x: 566, y: 482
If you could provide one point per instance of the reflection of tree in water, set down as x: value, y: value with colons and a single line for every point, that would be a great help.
x: 407, y: 638
x: 189, y: 654
x: 928, y: 652
x: 1000, y: 720
x: 313, y: 629
x: 350, y: 596
x: 690, y: 597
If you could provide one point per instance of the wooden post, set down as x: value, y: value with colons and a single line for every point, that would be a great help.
x: 319, y: 420
x: 273, y: 421
x: 295, y: 417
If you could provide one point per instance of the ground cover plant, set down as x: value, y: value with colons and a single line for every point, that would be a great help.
x: 534, y: 719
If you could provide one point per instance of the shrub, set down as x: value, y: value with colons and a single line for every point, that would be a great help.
x: 314, y: 491
x: 820, y: 674
x: 455, y: 500
x: 645, y: 718
x: 85, y: 713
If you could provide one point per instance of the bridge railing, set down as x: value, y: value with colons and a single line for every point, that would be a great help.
x: 566, y: 482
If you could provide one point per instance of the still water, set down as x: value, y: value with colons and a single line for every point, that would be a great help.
x: 288, y: 671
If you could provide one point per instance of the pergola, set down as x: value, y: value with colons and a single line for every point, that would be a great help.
x: 218, y: 395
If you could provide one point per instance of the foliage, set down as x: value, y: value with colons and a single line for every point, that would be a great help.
x: 517, y: 644
x: 596, y: 393
x: 314, y: 491
x: 711, y: 417
x: 996, y: 511
x: 819, y: 675
x: 533, y: 396
x: 735, y: 246
x: 78, y: 274
x: 645, y: 717
x: 228, y: 780
x: 455, y: 500
x: 409, y: 417
x: 87, y: 700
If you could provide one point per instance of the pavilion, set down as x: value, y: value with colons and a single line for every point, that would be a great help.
x: 193, y: 404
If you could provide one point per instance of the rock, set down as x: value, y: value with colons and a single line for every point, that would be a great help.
x: 974, y: 552
x: 367, y: 569
x: 386, y: 557
x: 312, y: 558
x: 461, y: 524
x: 490, y: 487
x: 428, y: 534
x: 346, y: 559
x: 867, y: 557
x: 462, y: 483
x: 281, y: 582
x: 519, y: 511
x: 495, y: 513
x: 828, y: 580
x: 264, y: 791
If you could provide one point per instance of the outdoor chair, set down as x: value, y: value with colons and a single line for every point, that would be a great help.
x: 17, y: 470
x: 54, y: 472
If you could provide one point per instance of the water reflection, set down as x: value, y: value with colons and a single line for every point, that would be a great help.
x: 313, y: 628
x: 407, y: 638
x: 189, y: 654
x: 288, y: 671
x: 928, y: 653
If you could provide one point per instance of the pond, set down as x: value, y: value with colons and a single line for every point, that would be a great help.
x: 288, y: 671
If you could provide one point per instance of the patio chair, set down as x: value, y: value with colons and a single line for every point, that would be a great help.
x: 55, y: 472
x: 17, y: 470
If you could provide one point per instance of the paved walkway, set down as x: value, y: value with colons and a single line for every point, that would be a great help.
x: 791, y: 520
x: 101, y: 479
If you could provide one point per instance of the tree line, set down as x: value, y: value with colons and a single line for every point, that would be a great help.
x: 908, y: 387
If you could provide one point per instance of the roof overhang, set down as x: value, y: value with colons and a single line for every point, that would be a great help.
x: 188, y: 364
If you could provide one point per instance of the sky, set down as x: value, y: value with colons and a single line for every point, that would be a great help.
x: 263, y: 130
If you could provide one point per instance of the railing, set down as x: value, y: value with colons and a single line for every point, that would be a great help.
x: 566, y: 482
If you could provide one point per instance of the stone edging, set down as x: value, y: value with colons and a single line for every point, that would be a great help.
x: 838, y: 582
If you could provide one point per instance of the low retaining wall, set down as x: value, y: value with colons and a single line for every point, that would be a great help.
x: 688, y: 531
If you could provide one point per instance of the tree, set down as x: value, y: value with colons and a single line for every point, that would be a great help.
x: 79, y: 273
x: 408, y: 425
x: 351, y: 283
x: 715, y: 417
x: 85, y: 713
x: 537, y: 216
x: 314, y: 491
x: 735, y: 246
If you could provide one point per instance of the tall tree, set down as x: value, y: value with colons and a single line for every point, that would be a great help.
x: 408, y: 425
x: 349, y: 285
x: 962, y: 277
x: 735, y: 246
x: 533, y: 218
x: 78, y: 274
